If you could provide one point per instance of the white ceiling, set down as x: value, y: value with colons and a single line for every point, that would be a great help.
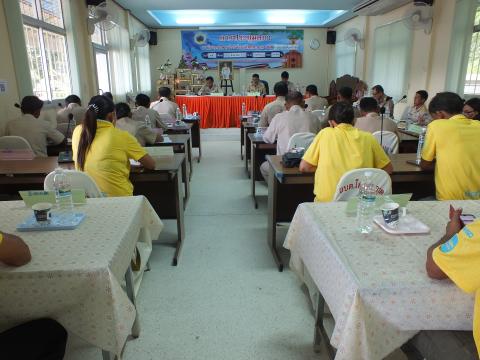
x: 140, y: 8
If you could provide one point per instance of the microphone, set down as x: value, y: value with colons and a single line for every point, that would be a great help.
x: 60, y: 105
x: 403, y: 98
x: 70, y: 118
x: 305, y: 106
x: 66, y: 156
x: 388, y: 98
x: 382, y: 114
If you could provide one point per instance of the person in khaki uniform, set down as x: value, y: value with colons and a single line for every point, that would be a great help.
x: 39, y: 133
x: 143, y: 110
x: 275, y: 107
x: 73, y: 105
x: 314, y: 101
x: 164, y: 105
x: 371, y: 121
x: 209, y: 87
x: 256, y: 85
x: 142, y: 133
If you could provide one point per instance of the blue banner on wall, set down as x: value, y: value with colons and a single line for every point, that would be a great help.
x: 246, y: 48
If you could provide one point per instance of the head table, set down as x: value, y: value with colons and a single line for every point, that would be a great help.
x: 222, y: 111
x: 75, y: 277
x: 376, y: 286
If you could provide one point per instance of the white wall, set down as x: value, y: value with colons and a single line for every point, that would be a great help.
x: 314, y: 71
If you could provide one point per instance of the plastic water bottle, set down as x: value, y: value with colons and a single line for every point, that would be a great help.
x: 184, y: 110
x: 244, y: 109
x: 148, y: 123
x: 366, y: 204
x: 421, y: 141
x: 63, y: 195
x: 178, y: 115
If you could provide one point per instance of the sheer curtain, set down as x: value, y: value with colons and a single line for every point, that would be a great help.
x: 345, y: 57
x: 140, y: 60
x: 392, y: 52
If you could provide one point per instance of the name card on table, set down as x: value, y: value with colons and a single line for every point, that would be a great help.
x: 401, y: 199
x: 253, y: 93
x: 216, y: 94
x: 33, y: 197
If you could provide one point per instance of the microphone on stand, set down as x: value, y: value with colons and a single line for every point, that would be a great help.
x: 403, y: 98
x: 66, y: 156
x: 382, y: 114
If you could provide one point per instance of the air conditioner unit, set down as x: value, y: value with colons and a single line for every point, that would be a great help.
x: 378, y: 7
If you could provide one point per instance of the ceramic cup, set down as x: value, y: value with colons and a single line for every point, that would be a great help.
x: 42, y: 212
x: 390, y: 212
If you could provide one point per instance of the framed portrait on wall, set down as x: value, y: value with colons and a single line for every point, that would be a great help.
x: 225, y: 70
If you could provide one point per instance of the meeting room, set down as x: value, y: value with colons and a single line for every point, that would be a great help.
x: 275, y: 180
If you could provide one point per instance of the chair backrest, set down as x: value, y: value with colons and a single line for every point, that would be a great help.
x: 349, y: 184
x: 78, y: 180
x: 300, y: 140
x: 267, y: 90
x: 14, y: 143
x: 389, y: 141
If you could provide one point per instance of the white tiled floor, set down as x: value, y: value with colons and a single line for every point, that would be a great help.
x: 225, y: 300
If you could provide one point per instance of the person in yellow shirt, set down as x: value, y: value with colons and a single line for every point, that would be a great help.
x: 104, y: 152
x: 341, y: 148
x: 457, y: 257
x: 451, y: 148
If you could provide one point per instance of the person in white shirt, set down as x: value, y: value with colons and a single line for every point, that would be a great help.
x: 209, y: 87
x: 285, y: 76
x: 383, y: 100
x: 144, y: 134
x: 371, y: 121
x: 294, y: 120
x: 314, y: 101
x: 39, y: 133
x: 73, y: 105
x: 418, y: 113
x: 164, y: 105
x: 275, y: 107
x: 143, y: 110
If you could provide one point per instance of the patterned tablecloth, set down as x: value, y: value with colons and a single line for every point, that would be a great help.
x: 75, y: 277
x: 376, y: 286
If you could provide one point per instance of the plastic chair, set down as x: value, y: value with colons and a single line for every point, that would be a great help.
x: 300, y: 140
x: 389, y: 141
x: 78, y: 180
x: 349, y: 184
x: 14, y: 143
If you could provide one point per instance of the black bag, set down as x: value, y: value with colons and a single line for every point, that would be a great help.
x: 292, y: 159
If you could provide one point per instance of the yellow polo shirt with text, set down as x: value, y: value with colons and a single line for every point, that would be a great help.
x: 459, y: 259
x: 454, y: 144
x: 334, y: 151
x: 108, y: 160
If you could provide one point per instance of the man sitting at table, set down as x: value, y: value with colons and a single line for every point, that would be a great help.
x: 285, y: 76
x: 341, y: 148
x: 418, y: 113
x: 209, y: 87
x: 287, y: 123
x: 457, y: 256
x: 256, y: 86
x: 145, y: 115
x: 73, y: 105
x: 165, y: 105
x: 36, y: 131
x: 451, y: 148
x: 143, y: 134
x: 36, y: 339
x: 275, y: 107
x: 371, y: 121
x: 314, y: 101
x: 383, y: 100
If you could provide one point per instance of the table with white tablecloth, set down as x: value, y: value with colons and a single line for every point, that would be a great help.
x: 376, y: 285
x: 76, y: 276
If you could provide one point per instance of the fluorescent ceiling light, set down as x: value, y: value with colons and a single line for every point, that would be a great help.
x: 286, y: 17
x: 206, y: 20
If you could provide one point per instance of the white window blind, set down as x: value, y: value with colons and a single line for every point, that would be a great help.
x: 140, y: 60
x: 472, y: 80
x: 345, y: 57
x: 119, y: 59
x: 392, y: 49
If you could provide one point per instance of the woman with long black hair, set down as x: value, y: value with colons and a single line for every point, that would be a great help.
x: 103, y: 151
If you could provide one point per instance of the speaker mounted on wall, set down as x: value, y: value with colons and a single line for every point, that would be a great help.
x: 331, y: 37
x: 153, y: 38
x: 94, y: 2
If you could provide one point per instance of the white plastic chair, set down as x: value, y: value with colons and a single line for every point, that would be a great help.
x: 349, y: 184
x: 78, y: 180
x: 389, y: 142
x: 300, y: 140
x: 14, y: 143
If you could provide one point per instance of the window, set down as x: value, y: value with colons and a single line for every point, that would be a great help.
x: 345, y: 58
x: 472, y: 79
x: 46, y: 42
x: 392, y: 53
x: 100, y: 49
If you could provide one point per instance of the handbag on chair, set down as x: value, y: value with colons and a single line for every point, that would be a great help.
x: 293, y: 157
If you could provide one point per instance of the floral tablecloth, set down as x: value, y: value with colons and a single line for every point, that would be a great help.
x: 376, y: 286
x: 75, y: 277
